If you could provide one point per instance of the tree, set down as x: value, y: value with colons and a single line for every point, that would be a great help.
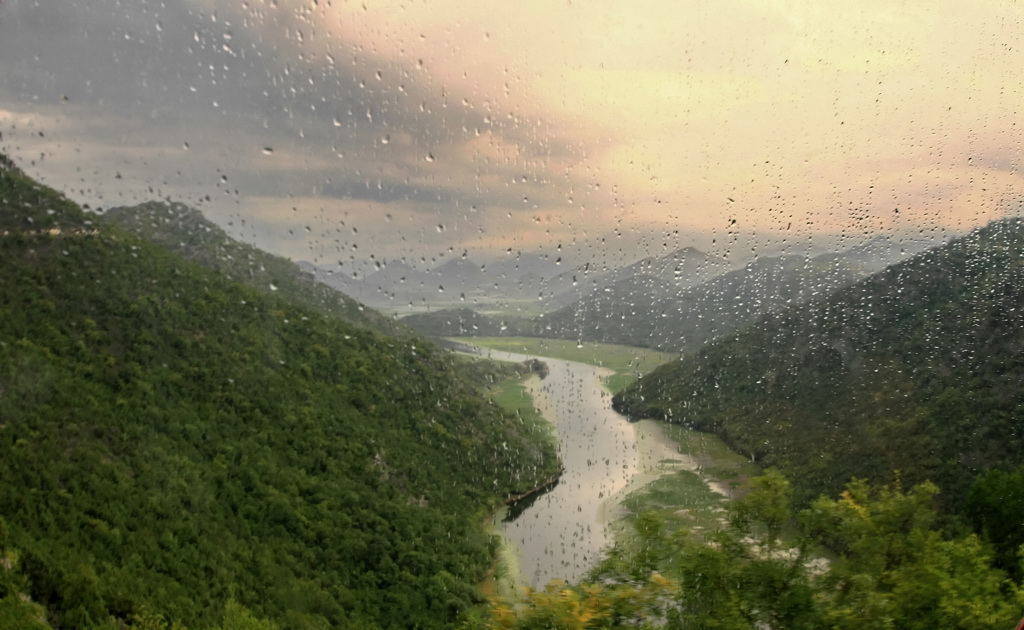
x: 238, y: 617
x: 895, y: 570
x: 995, y: 507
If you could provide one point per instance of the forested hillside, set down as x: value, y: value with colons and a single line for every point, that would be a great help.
x: 917, y: 369
x: 465, y: 322
x: 178, y: 447
x: 186, y: 232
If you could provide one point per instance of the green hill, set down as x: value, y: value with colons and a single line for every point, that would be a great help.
x: 465, y: 322
x: 917, y: 369
x: 176, y: 445
x: 186, y: 232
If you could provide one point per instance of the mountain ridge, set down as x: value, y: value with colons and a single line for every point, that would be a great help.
x: 185, y: 231
x: 916, y: 368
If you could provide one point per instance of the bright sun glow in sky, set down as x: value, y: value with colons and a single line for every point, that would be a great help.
x: 407, y: 128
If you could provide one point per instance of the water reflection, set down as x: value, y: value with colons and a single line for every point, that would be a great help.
x: 515, y: 508
x: 560, y: 533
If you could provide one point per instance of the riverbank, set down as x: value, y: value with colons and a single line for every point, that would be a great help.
x: 518, y: 396
x: 686, y: 477
x: 559, y: 535
x: 625, y: 362
x: 504, y: 578
x: 614, y: 469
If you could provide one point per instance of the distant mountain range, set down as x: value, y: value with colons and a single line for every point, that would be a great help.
x: 646, y: 310
x: 397, y: 283
x: 543, y: 279
x: 676, y: 302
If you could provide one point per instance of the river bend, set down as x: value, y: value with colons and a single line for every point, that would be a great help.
x: 562, y: 533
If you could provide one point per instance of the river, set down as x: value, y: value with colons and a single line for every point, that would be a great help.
x: 561, y: 533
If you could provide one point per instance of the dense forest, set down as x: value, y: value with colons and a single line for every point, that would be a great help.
x: 916, y: 369
x: 180, y: 449
x: 185, y: 231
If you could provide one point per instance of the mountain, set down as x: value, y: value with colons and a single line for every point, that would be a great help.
x: 186, y: 232
x: 460, y: 274
x: 177, y: 447
x: 650, y: 311
x: 399, y: 275
x: 397, y: 283
x: 465, y: 322
x: 336, y: 279
x: 916, y: 369
x: 515, y: 277
x: 681, y: 269
x: 647, y: 310
x: 32, y: 209
x: 514, y: 267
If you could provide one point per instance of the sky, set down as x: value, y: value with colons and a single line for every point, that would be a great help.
x: 335, y: 131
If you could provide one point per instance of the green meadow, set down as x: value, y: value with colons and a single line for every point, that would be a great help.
x: 627, y: 363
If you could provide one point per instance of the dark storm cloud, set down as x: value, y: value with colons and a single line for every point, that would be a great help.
x: 150, y: 79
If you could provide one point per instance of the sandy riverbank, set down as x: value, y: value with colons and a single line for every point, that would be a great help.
x: 658, y: 456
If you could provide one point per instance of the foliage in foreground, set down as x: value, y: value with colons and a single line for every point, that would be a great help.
x: 890, y: 567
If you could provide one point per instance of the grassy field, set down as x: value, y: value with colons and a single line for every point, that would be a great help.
x: 512, y: 396
x: 717, y: 461
x: 681, y: 498
x: 627, y: 363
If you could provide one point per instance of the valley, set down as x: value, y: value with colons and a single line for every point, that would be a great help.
x: 610, y: 468
x: 199, y: 433
x: 462, y: 315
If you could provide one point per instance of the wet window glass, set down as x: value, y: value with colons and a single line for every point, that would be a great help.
x: 418, y: 314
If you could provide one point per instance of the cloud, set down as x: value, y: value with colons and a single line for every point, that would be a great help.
x: 524, y: 124
x: 259, y: 98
